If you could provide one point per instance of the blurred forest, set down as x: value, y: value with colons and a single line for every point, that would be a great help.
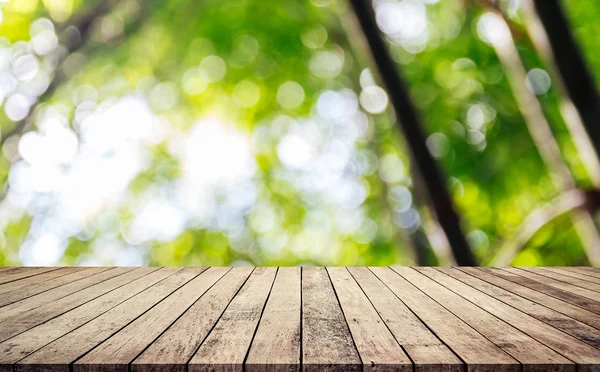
x: 249, y: 132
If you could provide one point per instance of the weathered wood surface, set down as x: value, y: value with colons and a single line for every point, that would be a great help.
x: 290, y: 319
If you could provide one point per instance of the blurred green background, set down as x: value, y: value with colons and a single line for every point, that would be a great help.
x: 189, y: 132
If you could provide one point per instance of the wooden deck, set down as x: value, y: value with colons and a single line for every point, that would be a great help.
x: 285, y: 319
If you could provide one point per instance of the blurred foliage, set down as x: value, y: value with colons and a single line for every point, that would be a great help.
x: 251, y: 132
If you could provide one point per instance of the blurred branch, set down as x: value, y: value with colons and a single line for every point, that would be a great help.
x: 410, y: 124
x: 542, y: 136
x: 577, y: 78
x: 540, y: 217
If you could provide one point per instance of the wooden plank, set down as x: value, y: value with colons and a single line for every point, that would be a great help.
x: 29, y: 319
x: 532, y: 354
x: 25, y: 273
x: 593, y: 295
x: 563, y: 307
x: 561, y: 277
x: 593, y: 271
x: 545, y: 286
x: 583, y: 271
x: 21, y: 289
x: 23, y: 344
x: 38, y: 279
x: 121, y: 349
x: 27, y: 305
x: 377, y: 347
x: 57, y: 355
x: 574, y: 274
x: 586, y: 356
x: 426, y: 351
x: 174, y: 348
x: 326, y: 341
x: 579, y: 330
x: 227, y: 345
x: 475, y: 350
x: 276, y: 345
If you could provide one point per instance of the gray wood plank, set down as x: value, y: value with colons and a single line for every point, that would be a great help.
x: 561, y: 277
x: 51, y: 297
x: 20, y: 346
x: 227, y: 345
x: 21, y: 289
x: 326, y: 341
x: 174, y: 348
x: 592, y: 271
x: 475, y: 350
x: 276, y: 345
x: 561, y: 306
x: 579, y: 330
x: 25, y: 273
x: 521, y: 277
x: 427, y: 352
x: 574, y: 273
x: 116, y: 353
x: 586, y: 356
x: 377, y: 347
x: 528, y: 351
x: 38, y: 279
x: 148, y: 305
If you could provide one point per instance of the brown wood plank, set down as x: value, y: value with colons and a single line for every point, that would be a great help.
x: 21, y: 289
x: 38, y: 279
x: 427, y: 352
x: 326, y: 341
x: 227, y: 345
x: 548, y: 279
x: 563, y: 307
x: 96, y: 275
x: 562, y: 277
x: 174, y: 348
x: 276, y: 345
x: 586, y: 356
x: 25, y: 273
x: 119, y: 350
x: 474, y: 349
x: 532, y: 354
x: 583, y: 271
x: 5, y: 268
x: 20, y: 346
x: 574, y: 274
x: 579, y: 330
x: 545, y: 286
x: 57, y: 355
x: 593, y: 271
x: 377, y: 347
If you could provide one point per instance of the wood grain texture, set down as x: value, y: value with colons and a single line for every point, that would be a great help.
x: 559, y: 291
x: 563, y: 307
x: 577, y: 329
x: 531, y: 353
x: 60, y: 353
x: 57, y: 294
x: 20, y: 346
x: 426, y: 351
x: 227, y: 345
x: 326, y: 341
x: 586, y: 356
x: 21, y: 273
x: 174, y: 348
x: 116, y: 353
x: 377, y: 347
x: 276, y: 345
x: 21, y: 289
x: 291, y: 319
x: 474, y: 349
x: 562, y: 277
